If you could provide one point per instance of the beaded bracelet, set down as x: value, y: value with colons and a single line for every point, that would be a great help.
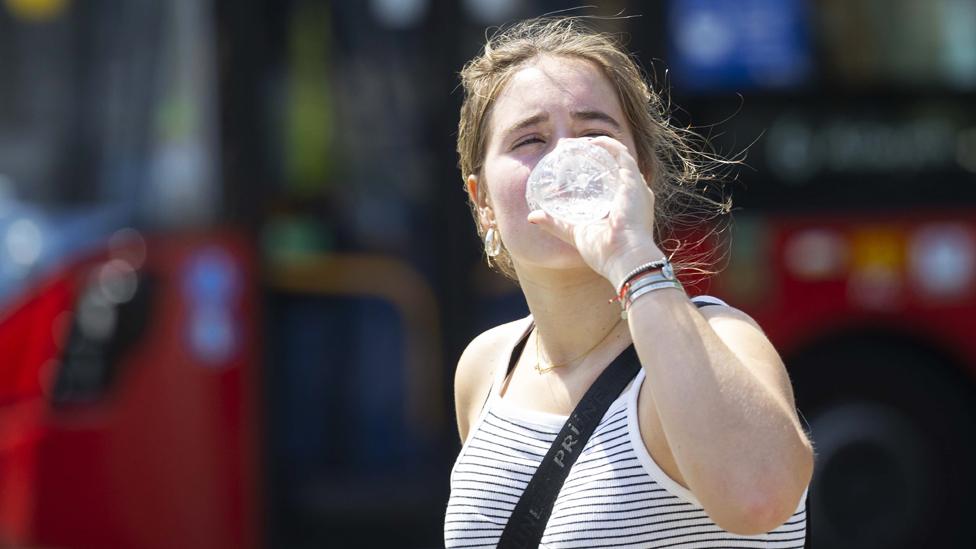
x: 651, y: 266
x: 655, y: 275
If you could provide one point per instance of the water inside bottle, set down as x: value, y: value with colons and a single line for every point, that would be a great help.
x: 575, y: 182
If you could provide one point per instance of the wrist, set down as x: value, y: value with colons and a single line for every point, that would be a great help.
x: 643, y: 279
x: 620, y: 266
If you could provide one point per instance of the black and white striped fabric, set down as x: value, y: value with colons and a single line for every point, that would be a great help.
x: 615, y: 495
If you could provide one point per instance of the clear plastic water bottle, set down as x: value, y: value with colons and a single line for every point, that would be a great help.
x: 575, y: 182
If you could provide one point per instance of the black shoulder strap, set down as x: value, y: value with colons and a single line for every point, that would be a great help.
x: 519, y: 347
x: 531, y: 514
x: 512, y: 361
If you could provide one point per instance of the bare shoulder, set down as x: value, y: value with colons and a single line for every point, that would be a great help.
x: 476, y: 370
x: 745, y: 337
x: 718, y: 309
x: 734, y: 326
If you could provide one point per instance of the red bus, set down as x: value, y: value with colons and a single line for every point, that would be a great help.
x: 871, y: 301
x: 139, y: 301
x: 853, y: 240
x: 128, y: 390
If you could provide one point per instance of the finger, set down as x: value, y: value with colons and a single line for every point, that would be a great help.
x: 619, y: 151
x: 639, y: 197
x: 548, y: 223
x: 629, y: 172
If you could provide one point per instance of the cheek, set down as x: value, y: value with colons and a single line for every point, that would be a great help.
x: 506, y: 184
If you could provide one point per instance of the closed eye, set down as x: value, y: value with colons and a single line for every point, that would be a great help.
x: 527, y: 141
x: 536, y: 139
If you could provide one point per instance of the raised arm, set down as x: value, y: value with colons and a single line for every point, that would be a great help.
x: 726, y: 407
x: 720, y: 389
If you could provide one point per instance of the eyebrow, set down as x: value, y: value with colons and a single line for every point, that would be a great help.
x: 578, y: 115
x: 530, y: 121
x: 596, y: 115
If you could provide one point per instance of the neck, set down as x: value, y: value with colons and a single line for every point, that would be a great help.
x: 571, y: 311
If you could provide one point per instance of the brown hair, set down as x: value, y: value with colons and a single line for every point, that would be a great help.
x: 674, y: 155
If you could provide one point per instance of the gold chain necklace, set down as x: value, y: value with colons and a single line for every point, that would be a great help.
x: 551, y: 366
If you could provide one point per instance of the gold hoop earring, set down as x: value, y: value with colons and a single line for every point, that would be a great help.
x: 493, y: 244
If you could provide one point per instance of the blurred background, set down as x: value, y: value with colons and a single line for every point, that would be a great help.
x: 237, y: 267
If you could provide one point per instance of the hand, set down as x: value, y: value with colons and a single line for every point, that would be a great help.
x: 624, y: 239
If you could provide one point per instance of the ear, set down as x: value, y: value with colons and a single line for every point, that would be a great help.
x: 479, y: 197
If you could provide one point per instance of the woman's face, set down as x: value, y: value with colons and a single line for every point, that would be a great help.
x: 549, y: 99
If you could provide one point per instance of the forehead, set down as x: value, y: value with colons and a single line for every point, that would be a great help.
x: 548, y: 84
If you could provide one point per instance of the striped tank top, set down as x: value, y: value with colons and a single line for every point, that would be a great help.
x: 615, y: 494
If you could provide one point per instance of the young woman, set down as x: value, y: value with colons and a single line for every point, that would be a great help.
x: 704, y: 447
